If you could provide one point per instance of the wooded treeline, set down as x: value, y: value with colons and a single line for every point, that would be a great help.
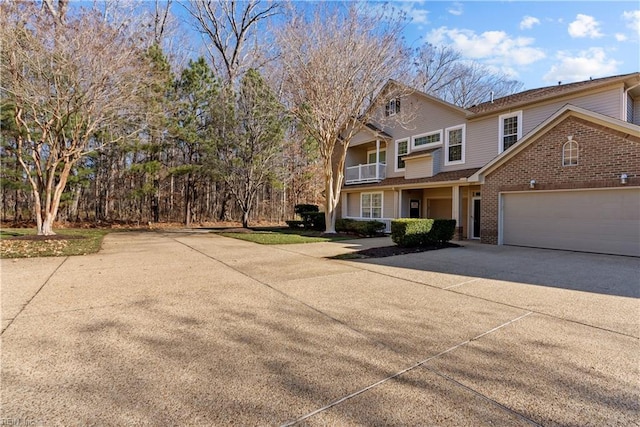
x: 102, y: 119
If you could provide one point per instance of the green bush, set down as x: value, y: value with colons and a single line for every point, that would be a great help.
x: 412, y: 232
x: 443, y: 230
x: 345, y: 225
x: 295, y: 224
x: 361, y: 228
x: 304, y: 208
x: 313, y: 220
x: 369, y: 228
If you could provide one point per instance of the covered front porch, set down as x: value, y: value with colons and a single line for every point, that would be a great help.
x: 459, y: 202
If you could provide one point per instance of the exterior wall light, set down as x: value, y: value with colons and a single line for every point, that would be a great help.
x: 532, y: 184
x: 623, y: 178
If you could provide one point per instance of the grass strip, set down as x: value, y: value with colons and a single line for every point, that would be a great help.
x: 277, y: 238
x: 24, y: 243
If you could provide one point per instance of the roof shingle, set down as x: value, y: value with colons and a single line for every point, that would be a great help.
x: 543, y: 93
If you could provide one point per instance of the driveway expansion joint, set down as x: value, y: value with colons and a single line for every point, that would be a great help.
x: 422, y: 364
x: 33, y: 296
x: 378, y: 343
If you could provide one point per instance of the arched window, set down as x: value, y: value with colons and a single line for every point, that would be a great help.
x: 570, y: 153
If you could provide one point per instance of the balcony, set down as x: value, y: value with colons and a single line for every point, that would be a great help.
x: 371, y: 172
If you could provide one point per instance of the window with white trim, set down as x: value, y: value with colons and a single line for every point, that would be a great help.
x: 426, y: 140
x: 402, y: 149
x: 570, y: 153
x: 371, y: 156
x: 454, y: 142
x: 392, y: 107
x: 371, y: 205
x: 510, y: 130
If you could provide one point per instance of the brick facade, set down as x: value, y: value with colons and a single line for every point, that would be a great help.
x: 604, y: 154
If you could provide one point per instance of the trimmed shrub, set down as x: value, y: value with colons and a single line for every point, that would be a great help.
x: 369, y: 228
x: 412, y: 232
x: 313, y: 220
x: 304, y: 208
x: 295, y: 224
x: 361, y: 228
x: 345, y: 225
x: 443, y: 230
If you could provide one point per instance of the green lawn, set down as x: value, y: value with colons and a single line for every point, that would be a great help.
x: 23, y: 242
x: 284, y: 236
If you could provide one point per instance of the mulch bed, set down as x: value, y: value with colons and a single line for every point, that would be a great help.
x: 387, y: 251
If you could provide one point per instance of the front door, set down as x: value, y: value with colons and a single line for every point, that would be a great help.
x: 414, y: 208
x: 475, y: 218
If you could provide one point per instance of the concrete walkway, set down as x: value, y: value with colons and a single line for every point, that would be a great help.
x: 197, y: 329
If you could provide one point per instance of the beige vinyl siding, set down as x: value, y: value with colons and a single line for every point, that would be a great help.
x: 419, y: 168
x: 636, y: 111
x: 356, y: 156
x: 438, y: 162
x: 606, y: 102
x: 482, y: 142
x: 388, y: 204
x: 362, y: 137
x: 439, y: 208
x: 353, y: 204
x: 438, y: 193
x: 426, y: 116
x: 482, y: 133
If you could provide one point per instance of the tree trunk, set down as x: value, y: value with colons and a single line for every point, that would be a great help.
x: 188, y: 202
x: 245, y: 218
x: 45, y: 228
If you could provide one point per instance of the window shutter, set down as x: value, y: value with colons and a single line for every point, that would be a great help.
x: 397, y: 105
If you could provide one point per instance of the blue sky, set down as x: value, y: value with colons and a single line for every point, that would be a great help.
x: 537, y: 42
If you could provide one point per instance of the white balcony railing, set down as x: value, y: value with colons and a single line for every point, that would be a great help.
x: 371, y: 172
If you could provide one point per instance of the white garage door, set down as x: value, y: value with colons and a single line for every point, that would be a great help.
x: 603, y: 221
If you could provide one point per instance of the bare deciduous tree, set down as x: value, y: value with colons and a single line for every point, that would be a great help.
x: 261, y: 122
x: 442, y: 72
x: 334, y: 65
x: 230, y: 26
x: 66, y: 80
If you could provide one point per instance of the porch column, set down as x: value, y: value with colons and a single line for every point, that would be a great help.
x: 377, y: 158
x: 455, y: 210
x: 399, y: 203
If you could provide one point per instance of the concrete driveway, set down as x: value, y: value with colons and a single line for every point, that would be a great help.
x: 197, y: 329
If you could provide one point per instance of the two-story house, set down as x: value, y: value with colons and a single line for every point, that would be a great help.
x: 555, y: 167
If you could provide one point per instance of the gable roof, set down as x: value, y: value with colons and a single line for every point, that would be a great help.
x: 544, y: 93
x: 544, y: 127
x: 377, y: 131
x: 408, y: 90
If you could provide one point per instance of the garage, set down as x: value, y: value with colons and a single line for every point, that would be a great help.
x: 594, y: 220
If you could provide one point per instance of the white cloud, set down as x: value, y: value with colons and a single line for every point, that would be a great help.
x: 633, y: 20
x: 528, y: 22
x: 412, y: 10
x: 589, y: 63
x: 620, y: 37
x: 584, y: 26
x: 409, y: 9
x: 494, y: 47
x: 456, y: 9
